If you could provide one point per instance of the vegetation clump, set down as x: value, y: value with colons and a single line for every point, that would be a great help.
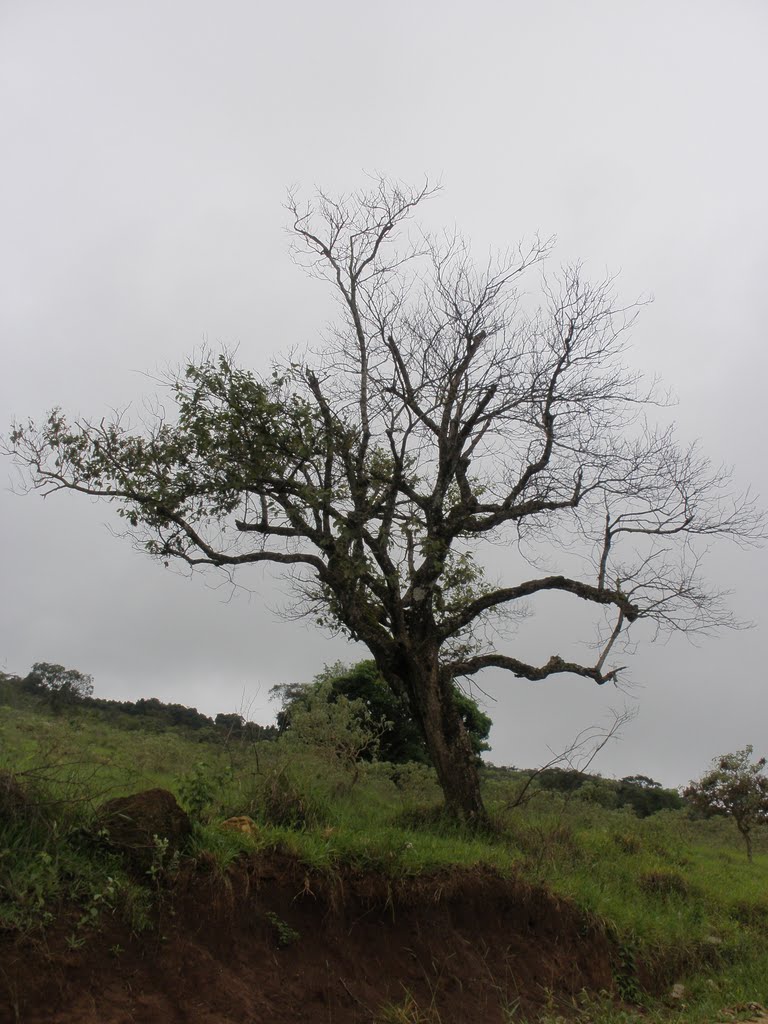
x: 362, y: 689
x: 15, y: 804
x: 663, y: 883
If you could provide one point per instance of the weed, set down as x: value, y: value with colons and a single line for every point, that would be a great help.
x: 135, y: 905
x: 99, y: 900
x: 407, y: 1012
x: 663, y: 883
x: 164, y: 865
x: 510, y: 1008
x: 292, y: 802
x: 286, y: 936
x: 199, y: 788
x: 601, y: 1008
x: 625, y: 973
x: 628, y: 842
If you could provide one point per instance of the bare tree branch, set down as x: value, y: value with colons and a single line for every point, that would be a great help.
x: 446, y: 410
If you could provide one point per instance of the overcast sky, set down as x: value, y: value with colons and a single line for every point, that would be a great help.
x: 146, y: 149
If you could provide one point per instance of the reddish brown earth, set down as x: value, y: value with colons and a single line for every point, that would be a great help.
x: 470, y: 944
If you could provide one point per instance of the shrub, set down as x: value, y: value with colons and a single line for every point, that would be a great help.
x: 14, y: 801
x: 291, y: 802
x: 628, y: 842
x: 198, y: 789
x: 663, y: 883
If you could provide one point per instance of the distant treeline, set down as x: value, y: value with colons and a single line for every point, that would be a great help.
x: 145, y: 714
x: 644, y: 795
x: 67, y: 690
x: 154, y: 713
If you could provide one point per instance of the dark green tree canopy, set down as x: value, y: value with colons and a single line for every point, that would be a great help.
x: 59, y: 685
x: 641, y: 781
x: 402, y: 740
x: 646, y: 796
x: 447, y: 410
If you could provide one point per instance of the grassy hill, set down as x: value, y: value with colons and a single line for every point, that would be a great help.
x: 671, y: 899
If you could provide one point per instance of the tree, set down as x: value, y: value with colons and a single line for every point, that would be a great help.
x: 233, y: 724
x: 641, y: 782
x: 401, y: 740
x: 59, y: 685
x: 444, y: 413
x: 646, y: 796
x: 342, y: 730
x: 735, y: 787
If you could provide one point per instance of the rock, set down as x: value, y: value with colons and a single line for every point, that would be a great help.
x: 678, y: 991
x: 147, y: 827
x: 241, y: 823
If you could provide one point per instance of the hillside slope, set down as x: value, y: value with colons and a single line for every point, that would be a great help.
x: 275, y: 944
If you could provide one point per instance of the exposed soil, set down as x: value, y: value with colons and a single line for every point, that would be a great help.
x: 469, y: 943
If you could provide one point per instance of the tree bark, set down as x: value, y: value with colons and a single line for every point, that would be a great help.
x: 431, y: 696
x: 748, y: 841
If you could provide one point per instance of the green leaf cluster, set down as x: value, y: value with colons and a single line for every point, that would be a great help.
x: 400, y: 739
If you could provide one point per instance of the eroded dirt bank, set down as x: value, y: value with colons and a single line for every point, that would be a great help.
x: 272, y: 944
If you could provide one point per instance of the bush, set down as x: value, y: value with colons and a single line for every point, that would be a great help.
x: 663, y: 883
x: 628, y: 842
x: 15, y: 804
x: 198, y: 790
x: 341, y: 731
x: 288, y: 801
x: 46, y: 856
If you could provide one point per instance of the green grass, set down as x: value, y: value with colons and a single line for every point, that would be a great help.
x: 669, y: 890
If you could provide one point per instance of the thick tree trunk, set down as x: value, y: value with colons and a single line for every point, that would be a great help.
x: 431, y: 699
